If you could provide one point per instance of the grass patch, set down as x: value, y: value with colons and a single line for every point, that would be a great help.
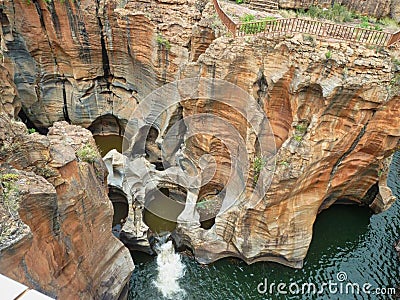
x: 389, y: 23
x: 87, y: 154
x: 301, y: 128
x: 284, y: 163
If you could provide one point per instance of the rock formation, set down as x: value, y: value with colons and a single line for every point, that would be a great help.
x: 81, y: 60
x: 333, y: 109
x: 55, y: 216
x: 332, y: 131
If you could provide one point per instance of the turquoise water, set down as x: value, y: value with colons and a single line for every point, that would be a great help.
x: 346, y: 239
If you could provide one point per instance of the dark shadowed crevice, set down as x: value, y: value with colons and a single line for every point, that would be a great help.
x: 371, y: 194
x: 120, y: 204
x: 104, y: 53
x: 352, y: 147
x: 29, y: 124
x: 65, y: 105
x: 207, y: 224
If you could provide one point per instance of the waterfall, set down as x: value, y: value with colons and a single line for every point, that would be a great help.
x: 170, y: 269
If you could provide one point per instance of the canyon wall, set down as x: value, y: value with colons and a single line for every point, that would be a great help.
x: 55, y: 215
x: 333, y: 108
x: 80, y: 60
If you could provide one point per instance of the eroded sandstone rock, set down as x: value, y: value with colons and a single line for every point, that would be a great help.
x: 55, y: 231
x: 333, y: 108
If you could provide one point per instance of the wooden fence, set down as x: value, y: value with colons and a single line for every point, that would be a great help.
x: 226, y: 20
x: 282, y: 27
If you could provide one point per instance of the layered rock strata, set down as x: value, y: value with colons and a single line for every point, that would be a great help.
x: 55, y: 216
x: 333, y: 109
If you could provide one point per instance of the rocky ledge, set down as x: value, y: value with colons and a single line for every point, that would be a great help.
x: 55, y: 215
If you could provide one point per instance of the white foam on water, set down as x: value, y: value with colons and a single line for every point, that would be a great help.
x: 170, y: 269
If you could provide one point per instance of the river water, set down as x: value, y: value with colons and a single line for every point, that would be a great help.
x: 346, y: 239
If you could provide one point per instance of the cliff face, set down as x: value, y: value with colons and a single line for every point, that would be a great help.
x: 55, y: 215
x: 333, y: 109
x: 78, y: 60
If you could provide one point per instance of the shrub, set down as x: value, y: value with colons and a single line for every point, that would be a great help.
x: 87, y: 153
x: 46, y: 172
x: 298, y: 138
x: 248, y: 18
x: 389, y: 22
x: 396, y: 62
x: 10, y: 193
x: 162, y: 42
x: 337, y: 13
x: 239, y: 1
x: 258, y: 165
x: 8, y: 177
x: 301, y: 128
x: 31, y: 130
x: 328, y: 55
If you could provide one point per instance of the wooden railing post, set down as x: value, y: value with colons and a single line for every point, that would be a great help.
x: 394, y: 39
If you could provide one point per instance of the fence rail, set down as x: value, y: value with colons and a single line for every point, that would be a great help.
x: 281, y: 27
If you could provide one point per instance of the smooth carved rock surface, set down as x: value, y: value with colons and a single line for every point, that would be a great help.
x: 80, y: 60
x: 335, y: 121
x: 55, y: 233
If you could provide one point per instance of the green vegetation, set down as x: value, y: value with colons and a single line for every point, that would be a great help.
x: 9, y: 177
x: 46, y: 172
x: 298, y: 138
x: 389, y: 23
x: 31, y: 130
x: 202, y: 203
x: 284, y: 163
x: 87, y: 153
x: 396, y: 62
x: 328, y: 55
x: 300, y: 131
x: 337, y: 13
x: 310, y: 39
x: 301, y: 128
x: 248, y: 18
x: 162, y: 42
x: 10, y: 193
x: 258, y: 165
x: 252, y: 25
x: 341, y: 14
x: 239, y: 1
